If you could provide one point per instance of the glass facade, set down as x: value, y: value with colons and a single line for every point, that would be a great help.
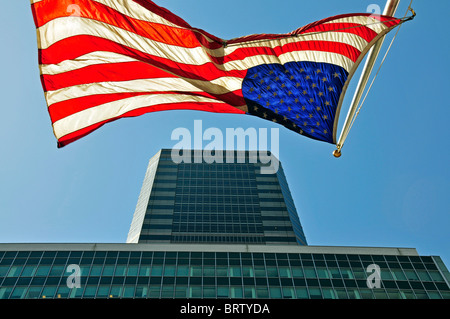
x: 219, y: 231
x: 230, y: 202
x: 111, y: 273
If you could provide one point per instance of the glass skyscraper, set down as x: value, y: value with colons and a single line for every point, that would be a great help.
x: 220, y: 231
x: 229, y: 202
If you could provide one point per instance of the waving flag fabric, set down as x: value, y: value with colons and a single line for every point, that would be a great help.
x: 102, y: 60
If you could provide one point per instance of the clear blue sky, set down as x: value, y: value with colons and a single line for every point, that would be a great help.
x: 389, y: 189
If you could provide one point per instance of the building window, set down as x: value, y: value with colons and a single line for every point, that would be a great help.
x: 236, y: 292
x: 33, y: 293
x: 49, y: 292
x: 328, y: 293
x: 195, y: 292
x: 310, y: 272
x: 14, y: 271
x: 209, y: 292
x: 103, y: 292
x: 285, y: 272
x: 116, y: 291
x: 235, y: 271
x: 222, y: 292
x: 18, y: 293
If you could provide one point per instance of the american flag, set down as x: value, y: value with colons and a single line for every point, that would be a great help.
x: 102, y: 60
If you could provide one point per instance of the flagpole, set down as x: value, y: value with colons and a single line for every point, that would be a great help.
x: 389, y: 10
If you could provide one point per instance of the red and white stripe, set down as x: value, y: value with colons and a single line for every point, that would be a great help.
x: 102, y: 60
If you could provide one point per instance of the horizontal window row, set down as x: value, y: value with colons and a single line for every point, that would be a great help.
x: 238, y: 214
x: 196, y: 185
x: 216, y: 208
x: 215, y: 221
x: 215, y: 195
x: 184, y: 269
x: 216, y: 185
x: 403, y: 261
x: 267, y: 212
x: 218, y: 228
x: 162, y: 173
x: 198, y: 155
x: 210, y: 260
x: 188, y: 238
x: 233, y: 157
x: 164, y: 181
x: 215, y: 190
x: 224, y: 280
x: 197, y: 194
x: 213, y: 174
x: 213, y: 182
x: 233, y: 167
x: 217, y: 200
x: 222, y: 209
x: 215, y: 231
x: 230, y: 275
x: 267, y: 183
x: 211, y: 238
x: 171, y: 197
x: 219, y: 169
x: 393, y: 261
x: 212, y: 178
x: 158, y: 216
x: 220, y: 291
x: 245, y: 213
x: 158, y: 187
x: 238, y: 168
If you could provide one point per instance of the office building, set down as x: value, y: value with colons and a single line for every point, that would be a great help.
x: 218, y: 271
x: 230, y: 202
x: 217, y: 230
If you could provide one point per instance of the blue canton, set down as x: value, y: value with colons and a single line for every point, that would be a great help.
x: 302, y: 96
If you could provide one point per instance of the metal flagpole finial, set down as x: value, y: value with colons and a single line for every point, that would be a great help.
x: 337, y: 152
